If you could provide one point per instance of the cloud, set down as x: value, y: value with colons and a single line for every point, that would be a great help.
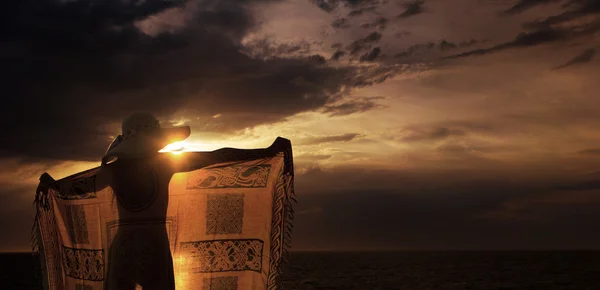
x: 430, y: 48
x: 525, y: 39
x: 470, y: 147
x: 371, y: 55
x: 575, y: 9
x: 337, y: 55
x: 78, y: 67
x: 593, y: 151
x: 328, y: 139
x: 362, y: 10
x: 359, y: 105
x: 429, y: 134
x: 364, y: 43
x: 465, y: 210
x: 446, y: 45
x: 545, y: 206
x: 412, y: 8
x: 326, y: 5
x: 523, y: 5
x: 312, y: 210
x: 578, y: 19
x: 585, y: 57
x: 590, y: 184
x: 264, y: 48
x: 379, y: 23
x: 16, y: 217
x: 357, y: 6
x: 340, y: 23
x: 19, y: 179
x: 312, y: 157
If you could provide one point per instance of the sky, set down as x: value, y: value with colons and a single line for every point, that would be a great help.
x: 416, y: 125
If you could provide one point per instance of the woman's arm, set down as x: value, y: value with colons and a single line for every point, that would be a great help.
x: 197, y: 160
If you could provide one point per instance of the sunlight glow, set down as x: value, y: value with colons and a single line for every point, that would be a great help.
x: 180, y: 265
x: 191, y: 145
x: 175, y: 148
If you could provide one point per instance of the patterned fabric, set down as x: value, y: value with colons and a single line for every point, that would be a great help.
x: 80, y: 188
x: 223, y: 255
x: 84, y: 264
x: 220, y: 226
x: 224, y: 213
x: 232, y: 177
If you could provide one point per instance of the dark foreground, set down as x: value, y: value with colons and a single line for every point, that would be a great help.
x: 405, y: 270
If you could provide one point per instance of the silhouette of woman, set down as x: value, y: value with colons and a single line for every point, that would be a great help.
x: 139, y: 253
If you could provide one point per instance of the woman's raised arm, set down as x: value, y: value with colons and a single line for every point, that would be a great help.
x: 196, y: 160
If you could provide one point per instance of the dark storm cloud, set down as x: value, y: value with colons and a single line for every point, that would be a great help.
x: 416, y: 50
x: 585, y: 185
x: 328, y: 139
x: 337, y: 55
x: 318, y: 180
x: 402, y: 34
x: 523, y: 5
x: 72, y: 68
x: 379, y: 23
x: 340, y: 23
x: 443, y: 46
x: 429, y: 134
x: 556, y: 28
x: 412, y: 8
x: 264, y: 49
x: 584, y: 57
x: 360, y: 11
x: 358, y: 6
x: 371, y: 55
x: 574, y: 9
x: 525, y: 39
x: 364, y: 43
x: 312, y: 157
x: 364, y: 209
x: 447, y: 45
x: 326, y: 5
x: 16, y: 217
x: 593, y: 152
x: 359, y: 105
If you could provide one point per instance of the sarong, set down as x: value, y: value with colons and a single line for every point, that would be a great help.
x: 222, y: 226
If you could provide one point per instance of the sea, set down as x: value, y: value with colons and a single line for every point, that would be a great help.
x: 444, y: 270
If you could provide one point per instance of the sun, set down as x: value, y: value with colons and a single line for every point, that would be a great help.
x: 174, y: 148
x: 177, y: 148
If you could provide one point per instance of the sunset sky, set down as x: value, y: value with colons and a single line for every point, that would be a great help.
x: 436, y: 124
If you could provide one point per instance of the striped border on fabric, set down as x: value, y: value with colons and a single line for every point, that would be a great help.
x: 48, y: 241
x: 282, y: 223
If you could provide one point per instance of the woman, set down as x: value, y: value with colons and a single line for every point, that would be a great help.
x: 140, y: 176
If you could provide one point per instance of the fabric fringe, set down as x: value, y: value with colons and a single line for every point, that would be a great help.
x: 289, y: 214
x: 35, y: 240
x: 42, y: 203
x: 283, y: 217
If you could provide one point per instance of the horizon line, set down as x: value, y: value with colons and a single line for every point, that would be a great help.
x: 405, y: 250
